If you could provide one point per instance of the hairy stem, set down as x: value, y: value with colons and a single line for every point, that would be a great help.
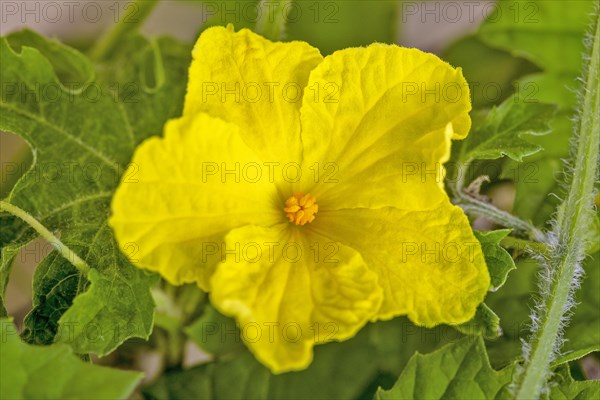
x: 64, y: 251
x: 131, y: 18
x: 570, y: 235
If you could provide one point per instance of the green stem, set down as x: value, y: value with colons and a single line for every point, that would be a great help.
x: 514, y: 243
x: 129, y: 21
x: 570, y: 231
x: 481, y: 208
x: 273, y: 19
x: 474, y: 206
x: 66, y: 252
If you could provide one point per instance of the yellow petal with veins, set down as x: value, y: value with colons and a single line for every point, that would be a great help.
x: 429, y: 263
x: 254, y: 83
x: 290, y: 291
x: 183, y: 193
x: 382, y: 133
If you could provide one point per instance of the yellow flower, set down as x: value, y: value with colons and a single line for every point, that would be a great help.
x: 305, y: 193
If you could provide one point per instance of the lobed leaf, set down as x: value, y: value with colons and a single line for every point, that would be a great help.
x: 564, y: 387
x: 459, y: 370
x: 82, y: 136
x: 502, y: 131
x: 54, y: 372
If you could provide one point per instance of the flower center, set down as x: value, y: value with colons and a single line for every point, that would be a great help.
x: 301, y: 208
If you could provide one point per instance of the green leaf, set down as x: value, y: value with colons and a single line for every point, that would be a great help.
x: 71, y: 68
x: 563, y: 387
x: 485, y: 323
x: 53, y: 372
x: 460, y: 371
x: 148, y: 80
x: 83, y: 136
x: 498, y: 260
x: 112, y: 310
x: 504, y: 129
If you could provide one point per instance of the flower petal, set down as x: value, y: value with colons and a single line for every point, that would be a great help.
x: 177, y: 195
x: 430, y: 265
x: 385, y: 118
x: 292, y: 294
x: 257, y: 84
